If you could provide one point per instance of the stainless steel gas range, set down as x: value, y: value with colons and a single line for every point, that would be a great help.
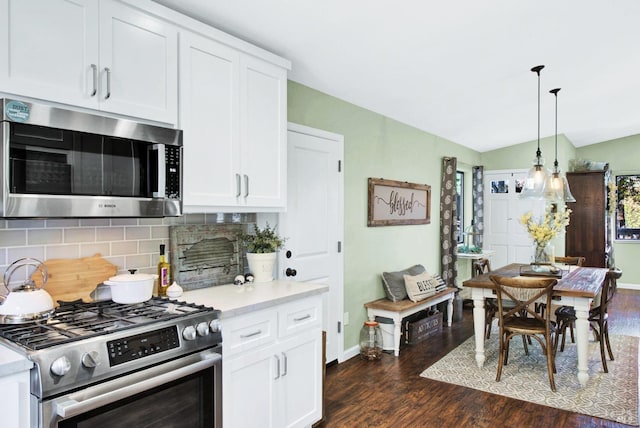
x: 109, y: 364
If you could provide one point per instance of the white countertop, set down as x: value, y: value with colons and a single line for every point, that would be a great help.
x: 235, y: 300
x: 12, y: 362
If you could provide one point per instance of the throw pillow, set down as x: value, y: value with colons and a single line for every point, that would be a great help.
x: 393, y: 282
x: 419, y: 287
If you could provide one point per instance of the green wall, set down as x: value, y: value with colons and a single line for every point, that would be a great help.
x: 623, y: 156
x: 377, y: 146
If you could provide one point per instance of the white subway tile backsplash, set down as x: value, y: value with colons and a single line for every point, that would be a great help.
x: 139, y: 261
x: 152, y: 246
x: 128, y: 243
x: 109, y: 234
x: 88, y: 250
x: 13, y: 238
x: 70, y: 251
x: 84, y: 234
x: 122, y: 248
x: 24, y: 224
x: 44, y: 236
x: 35, y: 252
x: 124, y: 221
x: 137, y: 232
x: 63, y: 222
x: 95, y: 222
x: 151, y: 221
x: 160, y: 232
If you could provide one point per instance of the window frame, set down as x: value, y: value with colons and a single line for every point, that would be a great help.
x: 624, y: 234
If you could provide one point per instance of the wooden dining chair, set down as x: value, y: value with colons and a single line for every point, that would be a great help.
x: 567, y: 261
x: 598, y: 318
x: 522, y: 319
x: 565, y: 315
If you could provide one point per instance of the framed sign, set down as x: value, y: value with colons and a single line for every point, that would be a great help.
x: 398, y: 202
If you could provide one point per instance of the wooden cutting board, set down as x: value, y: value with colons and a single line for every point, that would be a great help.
x: 73, y: 279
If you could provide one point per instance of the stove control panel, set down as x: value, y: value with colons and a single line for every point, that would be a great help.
x: 142, y: 345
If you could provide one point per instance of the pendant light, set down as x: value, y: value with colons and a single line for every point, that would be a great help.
x: 557, y: 187
x: 534, y: 185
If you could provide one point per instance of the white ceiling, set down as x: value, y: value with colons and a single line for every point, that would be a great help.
x: 459, y: 69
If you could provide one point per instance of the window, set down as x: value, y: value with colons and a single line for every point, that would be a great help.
x: 628, y: 207
x: 460, y: 205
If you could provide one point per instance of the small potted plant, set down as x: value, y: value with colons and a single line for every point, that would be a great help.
x: 262, y: 246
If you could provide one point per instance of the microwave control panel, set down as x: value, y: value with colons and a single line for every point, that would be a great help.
x: 172, y: 159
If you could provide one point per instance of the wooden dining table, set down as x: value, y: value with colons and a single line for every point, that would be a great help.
x: 577, y: 287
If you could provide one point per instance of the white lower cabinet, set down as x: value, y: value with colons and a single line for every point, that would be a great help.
x: 272, y: 367
x: 16, y: 399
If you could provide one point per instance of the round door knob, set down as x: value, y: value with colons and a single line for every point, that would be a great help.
x: 189, y: 333
x: 291, y: 272
x: 91, y: 359
x: 202, y: 329
x: 214, y: 326
x: 60, y: 366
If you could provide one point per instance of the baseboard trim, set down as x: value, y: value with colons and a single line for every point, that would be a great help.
x: 629, y: 286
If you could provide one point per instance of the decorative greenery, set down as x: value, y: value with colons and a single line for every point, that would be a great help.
x: 262, y: 240
x: 469, y: 249
x: 547, y: 228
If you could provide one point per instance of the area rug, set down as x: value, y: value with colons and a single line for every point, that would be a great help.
x: 612, y: 396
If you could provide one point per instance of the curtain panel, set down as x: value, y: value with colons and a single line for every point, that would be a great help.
x: 448, y: 224
x: 478, y: 205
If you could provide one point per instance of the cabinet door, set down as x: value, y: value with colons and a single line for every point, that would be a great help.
x: 49, y: 50
x: 248, y: 391
x: 300, y: 384
x: 16, y: 399
x: 209, y: 117
x: 138, y: 64
x: 263, y: 122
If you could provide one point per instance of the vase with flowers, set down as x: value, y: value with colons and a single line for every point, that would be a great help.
x: 543, y: 230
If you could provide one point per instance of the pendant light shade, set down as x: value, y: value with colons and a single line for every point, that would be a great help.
x: 537, y: 176
x: 557, y: 186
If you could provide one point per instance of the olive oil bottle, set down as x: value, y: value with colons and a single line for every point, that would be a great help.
x: 164, y: 273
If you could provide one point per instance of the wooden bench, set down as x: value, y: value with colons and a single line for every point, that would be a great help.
x: 398, y: 310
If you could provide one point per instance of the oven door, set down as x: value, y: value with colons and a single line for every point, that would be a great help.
x: 180, y: 393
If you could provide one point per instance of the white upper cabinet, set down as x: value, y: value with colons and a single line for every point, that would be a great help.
x: 97, y: 54
x: 209, y: 99
x: 233, y: 113
x: 263, y: 125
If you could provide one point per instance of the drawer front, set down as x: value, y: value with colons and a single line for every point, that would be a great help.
x: 299, y: 316
x: 248, y: 332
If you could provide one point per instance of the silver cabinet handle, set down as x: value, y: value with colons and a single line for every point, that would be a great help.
x: 94, y: 69
x: 284, y: 360
x: 277, y: 366
x: 238, y: 186
x: 306, y: 317
x: 108, y: 94
x: 246, y: 185
x: 255, y: 333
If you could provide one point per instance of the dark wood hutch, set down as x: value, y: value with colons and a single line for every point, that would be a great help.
x: 589, y: 233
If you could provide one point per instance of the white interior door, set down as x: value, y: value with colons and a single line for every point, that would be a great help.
x: 313, y: 222
x: 503, y: 232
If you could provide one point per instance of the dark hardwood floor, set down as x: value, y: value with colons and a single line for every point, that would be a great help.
x: 391, y: 393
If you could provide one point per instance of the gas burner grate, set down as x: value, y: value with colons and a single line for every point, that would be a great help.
x: 73, y: 321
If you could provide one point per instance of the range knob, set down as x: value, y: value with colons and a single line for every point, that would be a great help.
x: 91, y: 359
x: 214, y: 326
x: 189, y: 333
x: 60, y: 366
x: 203, y: 329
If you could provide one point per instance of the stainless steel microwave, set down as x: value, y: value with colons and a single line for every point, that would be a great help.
x: 56, y: 162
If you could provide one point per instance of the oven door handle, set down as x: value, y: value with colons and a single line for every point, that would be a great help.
x: 86, y: 401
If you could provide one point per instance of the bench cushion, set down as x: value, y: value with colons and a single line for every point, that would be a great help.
x: 393, y: 282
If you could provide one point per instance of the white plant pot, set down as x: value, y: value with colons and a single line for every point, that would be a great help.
x: 261, y: 266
